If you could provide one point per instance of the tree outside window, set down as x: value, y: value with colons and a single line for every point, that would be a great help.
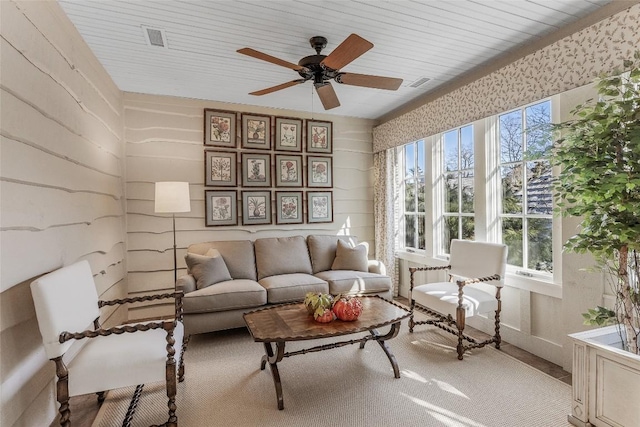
x: 526, y: 199
x: 457, y: 176
x: 413, y: 186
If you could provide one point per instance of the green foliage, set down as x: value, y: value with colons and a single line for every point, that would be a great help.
x: 599, y: 153
x: 600, y: 316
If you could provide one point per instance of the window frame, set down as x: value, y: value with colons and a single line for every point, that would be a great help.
x: 403, y: 180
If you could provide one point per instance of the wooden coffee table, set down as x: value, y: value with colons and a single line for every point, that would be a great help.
x: 291, y: 322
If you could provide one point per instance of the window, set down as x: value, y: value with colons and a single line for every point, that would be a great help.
x: 412, y: 189
x: 458, y: 181
x: 525, y: 209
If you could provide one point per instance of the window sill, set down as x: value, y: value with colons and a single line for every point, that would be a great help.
x: 531, y: 284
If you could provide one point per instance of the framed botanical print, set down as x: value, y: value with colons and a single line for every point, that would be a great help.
x: 219, y: 128
x: 289, y: 207
x: 319, y: 206
x: 220, y: 168
x: 221, y: 208
x: 319, y: 172
x: 319, y: 137
x: 288, y: 170
x: 256, y: 170
x: 288, y: 134
x: 256, y: 207
x: 256, y: 131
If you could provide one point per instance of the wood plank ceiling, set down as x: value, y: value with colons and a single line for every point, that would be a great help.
x: 438, y: 40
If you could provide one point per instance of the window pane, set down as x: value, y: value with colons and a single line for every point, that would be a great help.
x: 466, y: 147
x: 538, y: 133
x: 512, y: 237
x: 421, y: 225
x: 450, y: 231
x: 511, y: 137
x: 451, y: 150
x: 420, y: 160
x: 511, y: 188
x: 467, y: 192
x: 410, y: 196
x: 468, y: 228
x: 409, y: 160
x: 540, y: 250
x: 539, y: 195
x: 409, y: 231
x: 421, y: 203
x: 451, y: 193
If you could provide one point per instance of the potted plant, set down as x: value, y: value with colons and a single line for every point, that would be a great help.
x: 598, y: 153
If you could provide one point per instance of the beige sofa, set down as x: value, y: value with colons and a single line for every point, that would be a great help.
x: 271, y: 271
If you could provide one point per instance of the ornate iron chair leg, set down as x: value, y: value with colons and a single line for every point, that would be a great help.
x: 185, y: 342
x: 497, y: 337
x: 460, y: 324
x: 100, y: 396
x: 62, y: 392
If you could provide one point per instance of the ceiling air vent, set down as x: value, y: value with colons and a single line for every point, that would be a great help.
x: 419, y: 82
x: 155, y: 37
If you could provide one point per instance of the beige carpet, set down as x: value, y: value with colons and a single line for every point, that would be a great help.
x: 351, y: 387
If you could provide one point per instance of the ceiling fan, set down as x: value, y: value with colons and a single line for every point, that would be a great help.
x: 322, y: 68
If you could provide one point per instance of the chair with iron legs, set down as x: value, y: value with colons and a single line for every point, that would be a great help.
x: 476, y: 276
x: 93, y: 360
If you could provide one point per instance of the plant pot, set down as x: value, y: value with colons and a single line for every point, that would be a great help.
x: 605, y: 380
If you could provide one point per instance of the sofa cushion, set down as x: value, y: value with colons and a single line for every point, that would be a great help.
x: 282, y: 255
x: 238, y: 255
x: 355, y: 282
x: 322, y: 250
x: 351, y: 258
x: 292, y: 287
x: 207, y: 270
x: 228, y: 295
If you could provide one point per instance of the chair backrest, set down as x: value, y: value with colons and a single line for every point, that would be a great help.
x: 478, y: 259
x: 65, y: 300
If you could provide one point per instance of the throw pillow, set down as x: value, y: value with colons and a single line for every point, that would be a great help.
x: 351, y: 258
x: 207, y: 270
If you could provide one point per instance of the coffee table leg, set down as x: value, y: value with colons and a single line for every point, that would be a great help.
x: 380, y: 339
x: 273, y: 360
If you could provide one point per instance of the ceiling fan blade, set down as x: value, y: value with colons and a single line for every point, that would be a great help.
x: 327, y: 96
x: 278, y: 87
x: 365, y: 80
x: 351, y: 48
x: 263, y: 56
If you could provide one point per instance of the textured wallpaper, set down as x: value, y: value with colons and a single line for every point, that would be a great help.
x: 571, y: 62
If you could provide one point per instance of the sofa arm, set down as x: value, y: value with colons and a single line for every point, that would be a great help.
x: 377, y: 267
x: 186, y: 283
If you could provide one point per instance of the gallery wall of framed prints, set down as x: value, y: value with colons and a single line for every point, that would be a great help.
x: 261, y: 169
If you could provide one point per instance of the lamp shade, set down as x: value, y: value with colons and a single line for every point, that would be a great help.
x: 172, y: 197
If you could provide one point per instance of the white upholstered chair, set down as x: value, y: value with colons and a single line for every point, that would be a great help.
x: 473, y: 267
x: 93, y: 360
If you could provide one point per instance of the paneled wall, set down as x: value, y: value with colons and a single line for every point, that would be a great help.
x: 61, y: 182
x: 164, y: 140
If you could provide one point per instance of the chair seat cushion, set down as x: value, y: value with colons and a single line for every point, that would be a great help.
x: 116, y: 361
x: 443, y: 298
x: 292, y: 287
x: 355, y: 282
x: 227, y: 295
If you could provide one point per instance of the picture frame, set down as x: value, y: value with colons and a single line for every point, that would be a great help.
x: 288, y: 134
x: 256, y: 132
x: 220, y: 128
x: 319, y: 136
x: 288, y: 170
x: 256, y: 207
x: 319, y: 172
x: 256, y: 170
x: 289, y: 207
x: 221, y: 207
x: 220, y: 168
x: 319, y: 206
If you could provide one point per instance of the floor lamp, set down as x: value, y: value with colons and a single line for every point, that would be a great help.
x: 173, y: 198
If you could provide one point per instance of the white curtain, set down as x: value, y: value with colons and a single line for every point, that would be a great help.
x: 385, y: 211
